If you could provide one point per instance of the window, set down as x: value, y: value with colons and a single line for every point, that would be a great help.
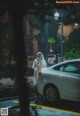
x: 70, y: 68
x: 73, y: 67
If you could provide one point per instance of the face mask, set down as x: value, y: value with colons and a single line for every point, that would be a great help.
x: 40, y: 57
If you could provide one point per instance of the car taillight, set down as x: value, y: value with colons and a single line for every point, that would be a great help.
x: 39, y: 74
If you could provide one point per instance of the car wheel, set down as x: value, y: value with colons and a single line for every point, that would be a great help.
x: 51, y: 93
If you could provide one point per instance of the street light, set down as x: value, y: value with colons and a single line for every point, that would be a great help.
x: 58, y: 15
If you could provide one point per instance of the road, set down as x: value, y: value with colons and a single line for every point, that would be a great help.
x: 40, y: 110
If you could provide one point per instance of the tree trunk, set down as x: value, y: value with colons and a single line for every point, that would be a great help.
x: 20, y: 56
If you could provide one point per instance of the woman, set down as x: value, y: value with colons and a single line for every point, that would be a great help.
x: 38, y: 64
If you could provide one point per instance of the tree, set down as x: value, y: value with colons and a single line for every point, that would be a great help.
x: 17, y: 10
x: 72, y: 46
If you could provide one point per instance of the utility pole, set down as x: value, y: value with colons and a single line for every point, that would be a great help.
x: 46, y: 38
x: 56, y: 16
x: 61, y: 37
x: 46, y: 34
x: 61, y: 41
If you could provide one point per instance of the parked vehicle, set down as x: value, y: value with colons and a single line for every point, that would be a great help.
x: 61, y: 80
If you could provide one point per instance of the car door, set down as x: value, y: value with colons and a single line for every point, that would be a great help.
x: 70, y: 80
x: 70, y: 84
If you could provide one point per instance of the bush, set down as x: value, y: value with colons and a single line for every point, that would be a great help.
x: 7, y: 87
x: 73, y: 53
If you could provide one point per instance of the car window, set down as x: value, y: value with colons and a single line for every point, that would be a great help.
x: 73, y: 67
x: 61, y: 68
x: 70, y: 68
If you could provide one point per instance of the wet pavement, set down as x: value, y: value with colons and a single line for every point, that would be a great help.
x: 40, y: 110
x: 39, y: 107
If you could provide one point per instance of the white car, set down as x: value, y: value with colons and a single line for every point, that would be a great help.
x: 61, y: 80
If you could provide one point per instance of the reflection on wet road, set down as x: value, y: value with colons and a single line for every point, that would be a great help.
x: 63, y: 105
x: 43, y: 108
